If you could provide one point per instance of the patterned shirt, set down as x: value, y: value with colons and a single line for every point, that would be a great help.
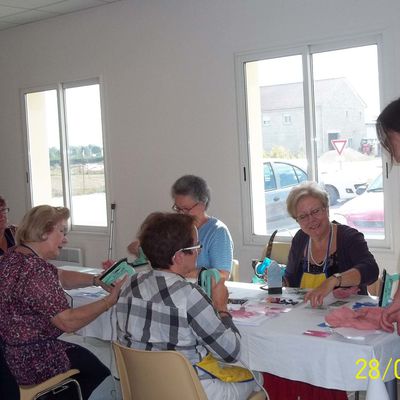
x: 30, y: 296
x: 160, y: 310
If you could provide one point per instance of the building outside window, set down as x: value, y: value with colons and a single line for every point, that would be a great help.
x: 321, y: 102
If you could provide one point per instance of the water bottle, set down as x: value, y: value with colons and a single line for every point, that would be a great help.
x: 274, y: 278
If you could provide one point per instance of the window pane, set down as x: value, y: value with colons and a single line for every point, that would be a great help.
x: 276, y: 133
x: 85, y: 155
x: 346, y: 90
x: 44, y: 148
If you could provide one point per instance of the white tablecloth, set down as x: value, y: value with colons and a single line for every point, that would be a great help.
x: 278, y: 345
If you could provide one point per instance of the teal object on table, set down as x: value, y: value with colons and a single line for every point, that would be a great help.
x: 205, y: 279
x: 387, y: 285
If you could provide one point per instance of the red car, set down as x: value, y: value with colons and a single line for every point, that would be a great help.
x: 364, y: 212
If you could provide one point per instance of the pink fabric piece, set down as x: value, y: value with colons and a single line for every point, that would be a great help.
x: 366, y: 318
x: 344, y: 293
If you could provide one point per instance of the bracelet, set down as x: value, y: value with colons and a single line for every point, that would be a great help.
x: 94, y: 283
x: 225, y: 312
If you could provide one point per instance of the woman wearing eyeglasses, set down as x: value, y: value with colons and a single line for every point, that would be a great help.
x: 7, y: 232
x: 325, y: 255
x: 192, y: 196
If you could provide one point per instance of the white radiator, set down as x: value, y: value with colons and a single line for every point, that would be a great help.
x: 69, y: 256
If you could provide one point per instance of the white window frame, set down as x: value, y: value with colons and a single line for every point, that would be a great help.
x: 59, y: 88
x: 305, y: 50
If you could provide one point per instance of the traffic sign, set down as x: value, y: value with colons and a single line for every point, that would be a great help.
x: 339, y: 145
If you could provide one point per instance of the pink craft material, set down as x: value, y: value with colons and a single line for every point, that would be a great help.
x: 366, y: 318
x: 344, y: 293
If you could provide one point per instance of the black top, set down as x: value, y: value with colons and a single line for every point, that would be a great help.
x: 9, y: 235
x: 351, y: 252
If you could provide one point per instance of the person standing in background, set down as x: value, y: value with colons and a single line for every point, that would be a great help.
x: 388, y: 132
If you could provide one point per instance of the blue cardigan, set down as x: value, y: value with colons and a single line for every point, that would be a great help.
x: 351, y: 251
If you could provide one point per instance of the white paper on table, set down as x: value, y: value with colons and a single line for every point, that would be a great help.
x: 356, y: 334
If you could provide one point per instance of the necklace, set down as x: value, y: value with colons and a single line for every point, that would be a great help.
x: 325, y: 260
x: 30, y: 248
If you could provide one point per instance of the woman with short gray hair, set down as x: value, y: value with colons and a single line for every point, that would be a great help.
x: 191, y: 195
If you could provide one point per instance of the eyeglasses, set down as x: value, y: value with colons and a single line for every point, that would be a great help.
x: 183, y: 210
x: 4, y: 210
x: 317, y: 212
x: 197, y: 247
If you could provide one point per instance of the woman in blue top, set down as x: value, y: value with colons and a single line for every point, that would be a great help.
x: 191, y: 195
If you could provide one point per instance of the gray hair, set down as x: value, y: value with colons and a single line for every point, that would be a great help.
x: 193, y: 186
x: 307, y: 188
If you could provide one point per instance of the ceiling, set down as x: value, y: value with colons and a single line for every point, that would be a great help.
x: 20, y: 12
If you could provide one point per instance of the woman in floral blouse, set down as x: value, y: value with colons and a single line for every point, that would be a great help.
x: 34, y: 310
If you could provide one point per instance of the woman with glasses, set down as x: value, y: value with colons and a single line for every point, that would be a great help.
x: 34, y: 310
x: 325, y: 255
x: 7, y: 232
x: 192, y: 196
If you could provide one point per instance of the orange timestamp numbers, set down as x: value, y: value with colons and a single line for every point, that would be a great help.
x: 373, y: 369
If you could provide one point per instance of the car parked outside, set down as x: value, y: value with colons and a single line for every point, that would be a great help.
x: 279, y: 178
x: 364, y: 212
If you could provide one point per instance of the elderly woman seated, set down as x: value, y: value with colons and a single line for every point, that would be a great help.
x: 324, y: 256
x: 34, y: 310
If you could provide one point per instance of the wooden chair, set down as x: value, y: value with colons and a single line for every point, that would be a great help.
x: 32, y: 392
x: 279, y: 253
x: 235, y: 274
x: 166, y: 375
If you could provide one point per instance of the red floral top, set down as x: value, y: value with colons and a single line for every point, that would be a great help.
x: 30, y: 296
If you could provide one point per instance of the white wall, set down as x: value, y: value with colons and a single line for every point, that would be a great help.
x: 169, y: 93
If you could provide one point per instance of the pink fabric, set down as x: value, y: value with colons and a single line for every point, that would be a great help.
x: 344, y: 293
x: 366, y: 318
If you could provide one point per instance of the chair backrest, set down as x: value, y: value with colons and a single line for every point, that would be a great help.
x: 235, y: 276
x: 156, y: 374
x: 280, y: 252
x: 386, y: 289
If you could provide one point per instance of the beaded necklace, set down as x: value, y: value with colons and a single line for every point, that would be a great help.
x: 310, y: 256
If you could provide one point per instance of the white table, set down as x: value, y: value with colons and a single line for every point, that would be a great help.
x: 278, y: 346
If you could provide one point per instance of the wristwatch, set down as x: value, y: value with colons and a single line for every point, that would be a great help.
x: 338, y: 276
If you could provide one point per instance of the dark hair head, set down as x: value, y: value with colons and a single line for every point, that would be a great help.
x: 388, y: 120
x: 39, y: 221
x: 193, y: 186
x: 3, y: 202
x: 163, y: 234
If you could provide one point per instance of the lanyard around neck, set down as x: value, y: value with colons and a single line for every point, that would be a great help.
x: 327, y: 250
